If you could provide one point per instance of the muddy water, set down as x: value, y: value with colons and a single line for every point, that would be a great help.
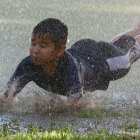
x: 37, y: 107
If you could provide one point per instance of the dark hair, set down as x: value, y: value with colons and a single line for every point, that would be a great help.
x: 55, y: 30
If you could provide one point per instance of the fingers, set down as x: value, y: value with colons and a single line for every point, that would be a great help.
x: 5, y: 103
x: 2, y: 96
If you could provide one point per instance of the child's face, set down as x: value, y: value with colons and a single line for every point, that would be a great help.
x: 43, y: 51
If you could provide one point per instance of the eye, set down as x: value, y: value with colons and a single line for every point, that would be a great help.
x: 43, y: 46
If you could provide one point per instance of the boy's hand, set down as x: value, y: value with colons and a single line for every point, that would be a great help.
x: 78, y: 102
x: 6, y: 103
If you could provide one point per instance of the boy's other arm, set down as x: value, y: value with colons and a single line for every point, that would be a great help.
x: 18, y: 81
x: 73, y: 99
x: 74, y: 83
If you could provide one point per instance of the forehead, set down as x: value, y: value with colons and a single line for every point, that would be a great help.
x: 41, y: 38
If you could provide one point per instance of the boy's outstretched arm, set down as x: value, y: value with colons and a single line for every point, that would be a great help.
x: 14, y: 86
x: 7, y: 97
x: 16, y: 83
x: 133, y: 32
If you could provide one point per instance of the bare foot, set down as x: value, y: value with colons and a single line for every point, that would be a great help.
x: 136, y: 30
x: 138, y: 26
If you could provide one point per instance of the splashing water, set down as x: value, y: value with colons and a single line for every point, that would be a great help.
x: 42, y: 102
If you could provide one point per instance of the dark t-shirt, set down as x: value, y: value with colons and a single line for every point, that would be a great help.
x: 83, y: 65
x: 65, y: 80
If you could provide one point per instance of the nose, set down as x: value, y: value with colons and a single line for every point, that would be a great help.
x: 36, y: 50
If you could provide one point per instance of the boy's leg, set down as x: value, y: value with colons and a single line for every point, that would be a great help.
x: 120, y: 65
x: 135, y: 51
x: 132, y: 32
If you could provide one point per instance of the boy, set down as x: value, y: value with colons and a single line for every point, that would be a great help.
x: 87, y: 66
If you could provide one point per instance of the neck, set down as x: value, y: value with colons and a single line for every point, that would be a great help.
x: 51, y: 67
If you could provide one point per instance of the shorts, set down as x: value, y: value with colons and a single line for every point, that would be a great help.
x: 96, y: 52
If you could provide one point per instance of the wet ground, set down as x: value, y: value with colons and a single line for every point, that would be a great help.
x: 114, y: 111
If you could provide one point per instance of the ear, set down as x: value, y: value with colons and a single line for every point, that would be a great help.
x: 61, y: 50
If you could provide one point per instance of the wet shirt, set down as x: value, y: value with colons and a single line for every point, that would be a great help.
x: 65, y: 80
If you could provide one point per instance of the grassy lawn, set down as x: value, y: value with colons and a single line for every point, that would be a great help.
x: 100, y: 20
x: 63, y: 133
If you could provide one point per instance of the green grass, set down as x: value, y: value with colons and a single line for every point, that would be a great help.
x: 131, y: 126
x: 100, y: 113
x: 63, y: 134
x: 127, y: 130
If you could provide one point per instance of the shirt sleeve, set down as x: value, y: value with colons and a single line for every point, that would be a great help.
x: 19, y: 79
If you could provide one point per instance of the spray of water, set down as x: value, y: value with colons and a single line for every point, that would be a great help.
x: 43, y: 102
